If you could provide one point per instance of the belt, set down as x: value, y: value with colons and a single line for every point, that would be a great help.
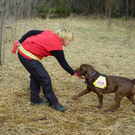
x: 28, y: 53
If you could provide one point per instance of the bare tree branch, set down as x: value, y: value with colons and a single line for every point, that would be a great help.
x: 3, y: 2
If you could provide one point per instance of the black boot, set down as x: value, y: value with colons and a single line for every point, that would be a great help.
x: 59, y: 107
x: 42, y: 101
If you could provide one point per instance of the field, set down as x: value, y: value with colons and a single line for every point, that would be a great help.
x: 109, y: 49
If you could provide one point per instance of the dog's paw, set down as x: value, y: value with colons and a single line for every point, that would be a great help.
x: 74, y: 97
x: 97, y: 108
x: 110, y: 110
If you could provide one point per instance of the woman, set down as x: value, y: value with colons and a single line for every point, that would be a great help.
x: 35, y: 45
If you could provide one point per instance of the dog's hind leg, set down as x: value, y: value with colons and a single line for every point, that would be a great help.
x: 118, y: 98
x: 131, y: 98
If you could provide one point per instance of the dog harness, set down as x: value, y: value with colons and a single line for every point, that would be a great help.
x: 100, y: 82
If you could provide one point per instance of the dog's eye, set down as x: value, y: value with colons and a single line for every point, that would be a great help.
x: 81, y: 69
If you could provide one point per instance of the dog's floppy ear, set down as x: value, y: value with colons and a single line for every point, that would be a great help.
x: 84, y: 68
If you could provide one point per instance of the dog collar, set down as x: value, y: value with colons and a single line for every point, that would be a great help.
x: 86, y: 81
x: 92, y: 75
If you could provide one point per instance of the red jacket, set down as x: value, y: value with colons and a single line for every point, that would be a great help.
x: 40, y: 45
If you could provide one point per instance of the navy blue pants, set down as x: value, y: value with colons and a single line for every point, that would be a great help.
x: 39, y: 78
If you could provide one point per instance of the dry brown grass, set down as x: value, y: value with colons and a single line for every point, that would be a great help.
x: 105, y: 47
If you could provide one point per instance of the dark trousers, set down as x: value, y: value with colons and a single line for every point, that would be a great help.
x: 38, y: 78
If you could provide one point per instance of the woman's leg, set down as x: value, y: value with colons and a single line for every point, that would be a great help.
x: 38, y: 72
x: 35, y: 90
x: 44, y: 80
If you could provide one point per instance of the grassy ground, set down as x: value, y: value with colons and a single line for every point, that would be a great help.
x: 110, y: 49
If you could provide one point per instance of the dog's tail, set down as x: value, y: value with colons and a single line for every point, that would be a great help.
x: 133, y: 81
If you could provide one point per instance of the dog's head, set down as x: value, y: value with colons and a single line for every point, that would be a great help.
x: 85, y: 70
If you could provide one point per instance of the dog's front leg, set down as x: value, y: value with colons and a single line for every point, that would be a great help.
x: 82, y: 93
x: 100, y: 97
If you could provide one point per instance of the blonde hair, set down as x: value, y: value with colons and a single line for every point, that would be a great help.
x: 65, y: 35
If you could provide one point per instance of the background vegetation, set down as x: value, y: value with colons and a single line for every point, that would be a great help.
x: 13, y: 10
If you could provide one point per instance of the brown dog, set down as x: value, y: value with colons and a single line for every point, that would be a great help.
x: 101, y: 84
